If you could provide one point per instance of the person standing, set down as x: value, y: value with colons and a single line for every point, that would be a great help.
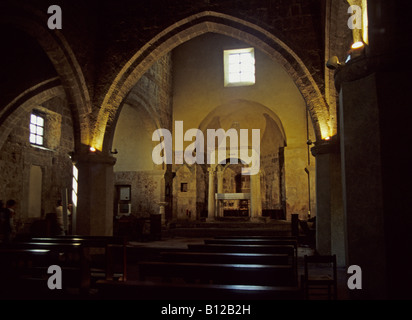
x: 8, y: 220
x: 60, y: 217
x: 2, y: 219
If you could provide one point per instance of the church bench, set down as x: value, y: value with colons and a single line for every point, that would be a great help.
x: 52, y: 246
x: 290, y: 250
x: 252, y: 274
x: 146, y: 290
x: 18, y: 261
x: 292, y: 242
x: 256, y: 241
x: 18, y: 280
x: 7, y: 252
x: 222, y: 257
x: 257, y: 237
x: 92, y: 241
x: 115, y: 250
x: 72, y: 257
x: 249, y: 248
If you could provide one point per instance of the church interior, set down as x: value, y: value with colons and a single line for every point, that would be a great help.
x: 262, y: 122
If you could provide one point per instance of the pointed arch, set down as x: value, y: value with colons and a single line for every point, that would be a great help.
x: 33, y: 22
x: 37, y: 95
x: 189, y: 28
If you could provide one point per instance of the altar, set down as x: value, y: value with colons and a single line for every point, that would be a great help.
x: 232, y: 205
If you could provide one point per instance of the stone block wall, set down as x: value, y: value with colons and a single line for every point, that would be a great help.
x: 151, y: 99
x: 145, y: 189
x: 189, y: 192
x: 153, y: 91
x: 184, y: 190
x: 18, y: 155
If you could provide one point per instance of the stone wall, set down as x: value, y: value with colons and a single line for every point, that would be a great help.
x: 148, y: 107
x: 184, y: 191
x: 124, y: 27
x: 145, y: 189
x: 273, y: 104
x: 17, y: 156
x: 189, y: 192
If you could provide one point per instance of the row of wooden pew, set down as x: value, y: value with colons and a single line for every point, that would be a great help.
x: 261, y: 268
x: 25, y: 263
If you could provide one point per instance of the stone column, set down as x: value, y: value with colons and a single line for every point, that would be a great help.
x: 375, y: 113
x: 162, y: 211
x: 362, y: 185
x: 219, y: 174
x: 329, y: 211
x: 255, y: 197
x: 95, y: 194
x: 168, y: 179
x: 374, y: 129
x: 211, y: 198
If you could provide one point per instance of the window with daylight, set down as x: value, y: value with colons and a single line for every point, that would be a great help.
x: 37, y: 129
x: 183, y: 187
x: 239, y: 65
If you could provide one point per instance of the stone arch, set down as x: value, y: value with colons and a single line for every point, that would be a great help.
x: 189, y: 28
x: 130, y: 149
x: 34, y: 96
x: 249, y: 169
x: 212, y: 121
x: 144, y: 108
x: 34, y: 23
x: 237, y: 169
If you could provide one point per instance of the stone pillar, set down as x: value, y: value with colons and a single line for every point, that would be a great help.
x: 362, y: 185
x: 168, y: 193
x: 219, y: 174
x: 374, y: 108
x: 329, y: 211
x: 95, y: 194
x: 211, y: 198
x: 162, y: 211
x: 255, y: 197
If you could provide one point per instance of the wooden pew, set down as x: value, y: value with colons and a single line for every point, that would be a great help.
x: 222, y: 257
x: 258, y: 237
x: 73, y: 258
x: 144, y: 290
x: 289, y: 249
x: 292, y: 242
x: 24, y: 255
x: 18, y: 276
x: 72, y: 254
x: 203, y: 273
x: 17, y: 262
x: 95, y: 241
x: 248, y: 274
x: 257, y: 241
x: 109, y: 243
x: 255, y: 248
